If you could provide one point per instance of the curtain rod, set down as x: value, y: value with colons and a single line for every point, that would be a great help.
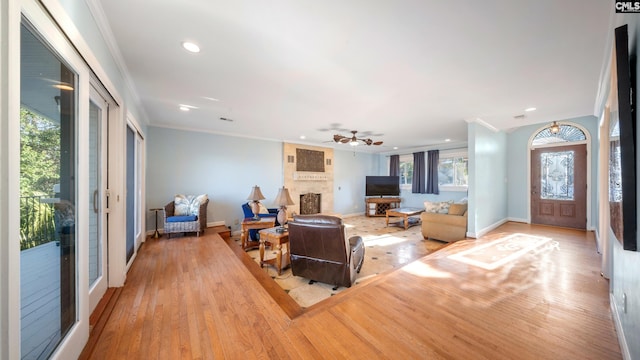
x: 456, y: 148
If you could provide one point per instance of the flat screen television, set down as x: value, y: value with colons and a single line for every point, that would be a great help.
x: 622, y: 139
x: 382, y: 186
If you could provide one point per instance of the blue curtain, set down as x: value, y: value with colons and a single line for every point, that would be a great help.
x: 433, y: 157
x: 394, y: 165
x: 418, y: 183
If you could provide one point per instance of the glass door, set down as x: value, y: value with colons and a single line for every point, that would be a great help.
x: 48, y: 188
x: 134, y: 183
x: 98, y: 112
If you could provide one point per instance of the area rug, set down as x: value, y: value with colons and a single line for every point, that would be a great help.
x: 498, y: 252
x: 386, y: 249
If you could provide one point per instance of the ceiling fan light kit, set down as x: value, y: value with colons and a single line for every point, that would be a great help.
x: 353, y: 140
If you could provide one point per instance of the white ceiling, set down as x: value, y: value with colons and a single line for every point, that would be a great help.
x: 411, y: 73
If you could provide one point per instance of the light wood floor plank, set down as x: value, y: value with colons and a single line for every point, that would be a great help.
x: 201, y: 298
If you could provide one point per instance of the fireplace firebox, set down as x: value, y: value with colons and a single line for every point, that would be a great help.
x: 310, y: 203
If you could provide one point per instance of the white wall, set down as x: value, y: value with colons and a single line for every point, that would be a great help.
x: 224, y: 167
x: 350, y: 170
x: 625, y: 280
x: 487, y: 179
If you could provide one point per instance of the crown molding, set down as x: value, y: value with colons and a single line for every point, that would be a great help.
x: 105, y: 29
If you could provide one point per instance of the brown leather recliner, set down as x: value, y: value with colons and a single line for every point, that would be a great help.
x: 320, y: 251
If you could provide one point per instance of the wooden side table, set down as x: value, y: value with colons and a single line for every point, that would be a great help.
x: 278, y: 239
x: 250, y: 223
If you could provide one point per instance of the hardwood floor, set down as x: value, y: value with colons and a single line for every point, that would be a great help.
x: 196, y: 298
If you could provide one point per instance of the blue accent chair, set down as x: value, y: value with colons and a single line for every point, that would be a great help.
x: 253, y: 233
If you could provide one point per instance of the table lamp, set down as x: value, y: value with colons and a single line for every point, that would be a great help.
x: 255, y: 196
x: 283, y: 200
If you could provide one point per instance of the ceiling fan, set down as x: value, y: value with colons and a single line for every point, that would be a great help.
x: 353, y: 140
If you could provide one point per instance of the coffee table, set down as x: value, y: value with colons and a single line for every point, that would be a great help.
x: 406, y: 214
x: 276, y: 237
x: 251, y: 223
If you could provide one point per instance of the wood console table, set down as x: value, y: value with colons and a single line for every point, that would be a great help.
x: 378, y: 206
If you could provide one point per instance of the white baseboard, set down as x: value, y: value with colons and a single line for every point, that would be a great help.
x: 519, y: 220
x: 624, y: 347
x: 486, y: 229
x: 216, y: 223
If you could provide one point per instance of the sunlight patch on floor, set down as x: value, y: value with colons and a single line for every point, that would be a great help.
x: 421, y: 269
x: 384, y: 240
x: 497, y: 253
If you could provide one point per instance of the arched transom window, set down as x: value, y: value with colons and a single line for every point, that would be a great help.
x: 567, y: 133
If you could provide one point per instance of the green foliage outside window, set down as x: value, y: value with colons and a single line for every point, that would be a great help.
x: 406, y: 172
x: 453, y: 171
x: 39, y: 172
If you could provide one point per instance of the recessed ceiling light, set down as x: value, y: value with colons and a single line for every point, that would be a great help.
x: 302, y: 137
x: 530, y: 109
x: 185, y: 107
x: 447, y: 140
x: 190, y: 47
x: 395, y: 148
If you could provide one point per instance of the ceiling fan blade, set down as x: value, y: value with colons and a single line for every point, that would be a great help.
x: 377, y: 143
x: 345, y: 140
x: 337, y: 137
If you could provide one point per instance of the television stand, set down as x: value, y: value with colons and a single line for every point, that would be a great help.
x: 378, y: 206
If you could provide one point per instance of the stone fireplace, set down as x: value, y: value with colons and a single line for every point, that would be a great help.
x: 311, y: 174
x: 310, y: 204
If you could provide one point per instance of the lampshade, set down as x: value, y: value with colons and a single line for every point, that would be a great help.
x: 283, y: 198
x: 554, y: 128
x: 255, y: 194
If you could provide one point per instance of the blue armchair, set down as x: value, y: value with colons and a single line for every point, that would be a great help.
x: 246, y: 209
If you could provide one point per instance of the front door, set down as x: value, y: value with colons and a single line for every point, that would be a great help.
x: 559, y: 186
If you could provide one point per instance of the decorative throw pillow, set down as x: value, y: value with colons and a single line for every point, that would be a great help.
x: 444, y: 207
x: 457, y: 209
x: 188, y: 204
x: 431, y: 206
x: 441, y: 207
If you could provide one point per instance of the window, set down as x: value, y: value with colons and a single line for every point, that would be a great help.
x: 453, y: 172
x: 567, y: 133
x: 406, y: 171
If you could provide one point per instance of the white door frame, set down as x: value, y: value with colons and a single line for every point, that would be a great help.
x: 73, y: 343
x: 98, y: 289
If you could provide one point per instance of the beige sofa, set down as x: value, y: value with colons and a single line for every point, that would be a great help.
x: 447, y: 227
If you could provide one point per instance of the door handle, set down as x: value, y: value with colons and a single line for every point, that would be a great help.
x: 95, y: 201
